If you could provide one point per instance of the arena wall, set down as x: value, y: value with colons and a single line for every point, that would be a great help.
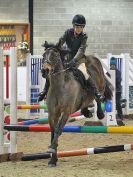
x: 109, y: 23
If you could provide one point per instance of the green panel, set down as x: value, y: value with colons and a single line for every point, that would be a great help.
x: 43, y: 120
x: 44, y: 106
x: 94, y: 129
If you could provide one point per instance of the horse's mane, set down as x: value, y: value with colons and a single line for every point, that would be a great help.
x: 47, y: 45
x: 63, y: 52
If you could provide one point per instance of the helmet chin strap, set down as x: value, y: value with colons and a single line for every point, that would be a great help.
x: 77, y: 34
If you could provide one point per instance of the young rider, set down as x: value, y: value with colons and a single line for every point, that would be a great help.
x: 76, y: 41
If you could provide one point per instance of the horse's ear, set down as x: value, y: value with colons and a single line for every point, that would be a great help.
x: 45, y: 44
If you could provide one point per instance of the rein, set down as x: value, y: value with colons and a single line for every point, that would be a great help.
x: 58, y: 72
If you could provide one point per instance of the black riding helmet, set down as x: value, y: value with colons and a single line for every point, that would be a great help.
x: 79, y: 20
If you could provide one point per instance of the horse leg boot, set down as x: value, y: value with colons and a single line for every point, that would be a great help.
x: 98, y: 97
x: 42, y: 94
x: 53, y: 151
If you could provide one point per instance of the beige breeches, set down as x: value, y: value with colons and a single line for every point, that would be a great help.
x: 82, y: 68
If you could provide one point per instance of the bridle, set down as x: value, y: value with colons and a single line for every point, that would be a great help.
x: 54, y: 71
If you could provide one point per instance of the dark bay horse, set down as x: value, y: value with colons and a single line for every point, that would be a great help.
x: 66, y: 95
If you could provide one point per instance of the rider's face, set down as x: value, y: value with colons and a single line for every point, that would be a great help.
x: 78, y: 29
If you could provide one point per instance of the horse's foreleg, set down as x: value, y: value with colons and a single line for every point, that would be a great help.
x: 53, y: 120
x: 53, y: 152
x: 57, y: 132
x: 52, y: 135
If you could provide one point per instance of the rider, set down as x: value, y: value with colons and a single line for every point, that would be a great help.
x: 76, y: 40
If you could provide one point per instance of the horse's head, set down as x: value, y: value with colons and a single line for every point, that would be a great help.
x: 52, y: 57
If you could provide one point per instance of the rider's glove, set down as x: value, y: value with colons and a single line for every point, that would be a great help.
x: 72, y: 63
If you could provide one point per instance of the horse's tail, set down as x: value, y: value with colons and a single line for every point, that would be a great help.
x: 108, y: 93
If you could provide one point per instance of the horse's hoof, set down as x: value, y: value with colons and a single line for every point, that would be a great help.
x: 51, y: 165
x: 53, y: 160
x: 120, y: 122
x: 100, y: 115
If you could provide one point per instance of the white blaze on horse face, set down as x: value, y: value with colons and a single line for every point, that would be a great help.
x: 46, y: 64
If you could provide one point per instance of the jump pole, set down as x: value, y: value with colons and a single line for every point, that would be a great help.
x: 88, y: 151
x: 45, y: 120
x: 72, y: 129
x: 43, y: 106
x: 81, y: 152
x: 34, y: 121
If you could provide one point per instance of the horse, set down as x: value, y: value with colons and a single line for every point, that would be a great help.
x: 66, y: 94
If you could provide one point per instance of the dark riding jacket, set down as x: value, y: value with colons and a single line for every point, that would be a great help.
x: 75, y: 43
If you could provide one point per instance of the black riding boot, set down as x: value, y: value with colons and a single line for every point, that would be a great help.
x: 91, y: 83
x: 42, y: 94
